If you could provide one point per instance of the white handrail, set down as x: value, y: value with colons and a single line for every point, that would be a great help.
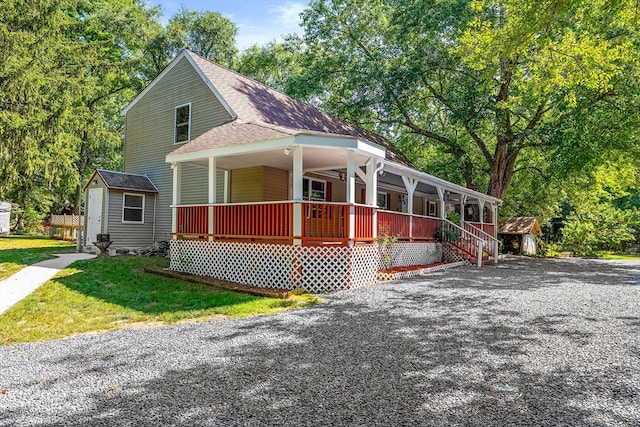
x: 480, y: 242
x: 490, y: 237
x: 495, y: 247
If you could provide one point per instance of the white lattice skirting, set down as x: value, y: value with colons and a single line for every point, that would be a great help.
x: 405, y: 254
x: 312, y: 268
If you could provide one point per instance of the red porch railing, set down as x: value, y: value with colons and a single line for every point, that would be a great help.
x: 192, y: 220
x: 364, y: 223
x: 408, y: 227
x: 395, y: 223
x: 274, y: 221
x: 258, y: 221
x: 424, y: 227
x: 323, y: 220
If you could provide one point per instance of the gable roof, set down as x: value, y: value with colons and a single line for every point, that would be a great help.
x: 124, y: 181
x: 519, y: 225
x: 260, y: 113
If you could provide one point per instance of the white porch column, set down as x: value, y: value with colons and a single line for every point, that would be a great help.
x: 494, y: 218
x: 481, y: 207
x: 370, y: 178
x: 298, y: 172
x: 177, y: 188
x: 212, y: 193
x: 351, y: 194
x: 463, y: 201
x: 410, y: 184
x: 443, y: 214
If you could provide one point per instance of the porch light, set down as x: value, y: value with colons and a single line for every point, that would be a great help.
x: 342, y: 176
x: 287, y: 151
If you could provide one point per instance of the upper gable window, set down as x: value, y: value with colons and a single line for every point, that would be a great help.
x: 183, y: 123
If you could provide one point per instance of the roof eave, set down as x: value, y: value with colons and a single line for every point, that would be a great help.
x: 302, y: 139
x: 439, y: 182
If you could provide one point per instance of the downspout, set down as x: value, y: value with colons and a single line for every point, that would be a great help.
x: 153, y: 228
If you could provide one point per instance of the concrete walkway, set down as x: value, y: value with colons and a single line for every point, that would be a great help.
x: 24, y: 282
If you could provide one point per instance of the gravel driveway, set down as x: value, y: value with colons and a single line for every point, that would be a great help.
x: 527, y: 342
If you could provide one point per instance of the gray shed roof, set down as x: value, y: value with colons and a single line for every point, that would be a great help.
x: 125, y: 181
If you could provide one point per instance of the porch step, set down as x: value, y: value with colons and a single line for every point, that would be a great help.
x: 473, y: 260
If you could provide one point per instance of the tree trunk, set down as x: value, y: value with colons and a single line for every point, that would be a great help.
x: 82, y: 164
x: 502, y: 170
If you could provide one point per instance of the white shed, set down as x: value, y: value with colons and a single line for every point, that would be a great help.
x: 5, y: 215
x: 524, y: 229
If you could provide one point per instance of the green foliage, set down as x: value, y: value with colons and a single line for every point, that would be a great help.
x: 68, y: 67
x: 604, y: 216
x: 206, y: 33
x: 276, y: 65
x: 447, y: 235
x: 478, y: 91
x: 454, y: 217
x: 387, y: 245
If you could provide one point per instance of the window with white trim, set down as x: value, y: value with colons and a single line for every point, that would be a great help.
x: 133, y: 208
x: 183, y: 124
x: 383, y: 200
x: 314, y: 189
x: 432, y: 209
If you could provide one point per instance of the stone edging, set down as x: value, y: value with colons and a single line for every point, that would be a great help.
x: 388, y: 276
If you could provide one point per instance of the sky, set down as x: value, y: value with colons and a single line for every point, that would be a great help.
x: 258, y: 21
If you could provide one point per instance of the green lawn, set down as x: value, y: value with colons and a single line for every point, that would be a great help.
x: 627, y: 257
x: 17, y: 252
x: 115, y: 293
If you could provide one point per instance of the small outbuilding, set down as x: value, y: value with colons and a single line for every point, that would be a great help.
x: 5, y: 216
x: 122, y: 205
x: 520, y: 232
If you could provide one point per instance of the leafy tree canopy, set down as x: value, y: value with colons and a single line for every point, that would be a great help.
x: 480, y: 89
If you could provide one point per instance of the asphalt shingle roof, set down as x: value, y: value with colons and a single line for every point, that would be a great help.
x: 127, y: 181
x: 264, y: 113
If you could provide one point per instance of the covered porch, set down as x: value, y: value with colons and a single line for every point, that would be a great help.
x: 323, y: 195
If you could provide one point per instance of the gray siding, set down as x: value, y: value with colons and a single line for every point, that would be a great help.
x: 129, y: 235
x: 195, y: 189
x: 149, y: 136
x: 194, y: 184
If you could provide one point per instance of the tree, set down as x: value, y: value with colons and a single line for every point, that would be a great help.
x: 206, y: 33
x: 273, y: 64
x: 604, y: 215
x: 36, y: 99
x: 485, y: 87
x: 113, y: 35
x: 69, y: 67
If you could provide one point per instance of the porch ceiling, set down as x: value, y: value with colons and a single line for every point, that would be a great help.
x: 314, y: 158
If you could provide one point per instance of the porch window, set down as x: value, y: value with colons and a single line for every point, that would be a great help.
x: 183, y: 123
x: 133, y: 208
x: 431, y: 208
x: 314, y: 190
x: 383, y: 200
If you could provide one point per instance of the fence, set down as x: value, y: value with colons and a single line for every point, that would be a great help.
x: 65, y: 227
